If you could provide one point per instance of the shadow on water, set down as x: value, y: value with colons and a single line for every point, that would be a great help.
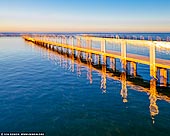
x: 151, y: 87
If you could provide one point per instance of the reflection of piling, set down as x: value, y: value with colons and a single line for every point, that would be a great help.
x: 153, y: 98
x: 123, y: 91
x: 103, y: 79
x: 78, y: 66
x: 89, y: 73
x: 72, y: 62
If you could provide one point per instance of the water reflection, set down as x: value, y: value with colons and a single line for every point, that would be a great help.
x: 89, y: 73
x: 103, y: 79
x: 71, y: 67
x: 78, y: 67
x: 70, y: 62
x: 153, y: 98
x: 124, y: 91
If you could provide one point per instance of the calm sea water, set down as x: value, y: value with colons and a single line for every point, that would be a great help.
x: 42, y: 91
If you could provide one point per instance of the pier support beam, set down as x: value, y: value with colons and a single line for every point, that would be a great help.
x: 103, y: 50
x: 113, y: 64
x: 46, y: 46
x: 78, y: 45
x: 72, y: 44
x: 86, y: 56
x: 123, y: 55
x: 133, y: 69
x: 163, y: 77
x: 123, y: 49
x: 123, y: 75
x: 104, y: 60
x: 89, y: 46
x: 49, y: 47
x: 78, y: 55
x: 66, y: 43
x: 97, y: 59
x: 153, y: 69
x: 90, y: 59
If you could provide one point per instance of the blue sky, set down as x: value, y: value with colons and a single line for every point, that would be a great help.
x: 85, y: 15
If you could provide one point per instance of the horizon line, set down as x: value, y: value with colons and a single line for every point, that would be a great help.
x: 85, y: 32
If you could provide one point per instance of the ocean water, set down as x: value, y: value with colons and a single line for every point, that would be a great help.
x: 43, y: 91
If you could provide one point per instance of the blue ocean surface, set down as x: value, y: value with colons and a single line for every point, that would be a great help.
x: 43, y: 91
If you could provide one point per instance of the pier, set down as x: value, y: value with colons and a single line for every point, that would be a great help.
x: 150, y: 88
x: 81, y: 46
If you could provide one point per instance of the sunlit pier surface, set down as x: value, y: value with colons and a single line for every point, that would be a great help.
x: 82, y: 45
